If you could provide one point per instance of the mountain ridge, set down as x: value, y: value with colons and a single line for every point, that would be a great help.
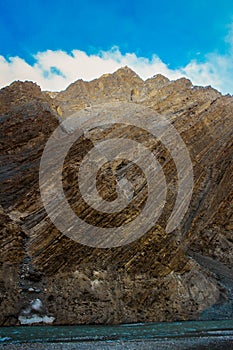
x: 151, y: 279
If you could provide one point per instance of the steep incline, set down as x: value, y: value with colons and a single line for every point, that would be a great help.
x: 44, y: 273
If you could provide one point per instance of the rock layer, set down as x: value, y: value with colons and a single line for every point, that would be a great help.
x: 151, y: 279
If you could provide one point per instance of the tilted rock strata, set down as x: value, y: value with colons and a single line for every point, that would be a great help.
x: 151, y: 279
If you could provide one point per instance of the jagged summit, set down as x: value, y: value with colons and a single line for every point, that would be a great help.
x: 126, y: 72
x: 21, y: 88
x: 158, y: 81
x: 125, y: 85
x: 18, y: 93
x: 21, y: 93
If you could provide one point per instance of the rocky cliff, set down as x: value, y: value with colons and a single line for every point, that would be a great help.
x: 48, y: 277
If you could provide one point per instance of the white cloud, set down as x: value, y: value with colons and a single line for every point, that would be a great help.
x: 55, y: 70
x: 217, y: 71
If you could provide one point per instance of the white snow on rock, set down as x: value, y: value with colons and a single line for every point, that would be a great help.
x: 36, y: 319
x: 34, y: 314
x: 36, y: 305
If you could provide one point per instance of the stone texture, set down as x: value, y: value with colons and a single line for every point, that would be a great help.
x: 151, y: 279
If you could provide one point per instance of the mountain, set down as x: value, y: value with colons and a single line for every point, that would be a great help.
x: 49, y: 278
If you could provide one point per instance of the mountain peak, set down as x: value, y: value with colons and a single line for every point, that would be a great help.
x: 18, y: 93
x: 126, y: 72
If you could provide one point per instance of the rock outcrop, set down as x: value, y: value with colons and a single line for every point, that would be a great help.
x: 160, y: 276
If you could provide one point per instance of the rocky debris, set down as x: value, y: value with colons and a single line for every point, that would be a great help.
x: 151, y: 279
x: 120, y: 297
x: 223, y: 274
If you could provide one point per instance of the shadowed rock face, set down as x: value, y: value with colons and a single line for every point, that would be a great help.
x: 151, y: 279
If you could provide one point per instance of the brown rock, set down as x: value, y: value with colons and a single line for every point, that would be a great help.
x: 150, y: 279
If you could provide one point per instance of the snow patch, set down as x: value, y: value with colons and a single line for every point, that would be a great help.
x: 32, y: 319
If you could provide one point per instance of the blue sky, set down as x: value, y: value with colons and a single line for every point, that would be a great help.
x: 191, y: 38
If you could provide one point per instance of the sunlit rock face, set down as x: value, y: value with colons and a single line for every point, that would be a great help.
x: 160, y: 276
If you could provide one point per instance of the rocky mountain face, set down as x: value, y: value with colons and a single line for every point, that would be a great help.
x: 49, y: 278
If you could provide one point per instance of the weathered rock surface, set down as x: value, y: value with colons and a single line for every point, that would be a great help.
x: 155, y: 278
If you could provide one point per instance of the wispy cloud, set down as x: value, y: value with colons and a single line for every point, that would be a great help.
x: 55, y: 70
